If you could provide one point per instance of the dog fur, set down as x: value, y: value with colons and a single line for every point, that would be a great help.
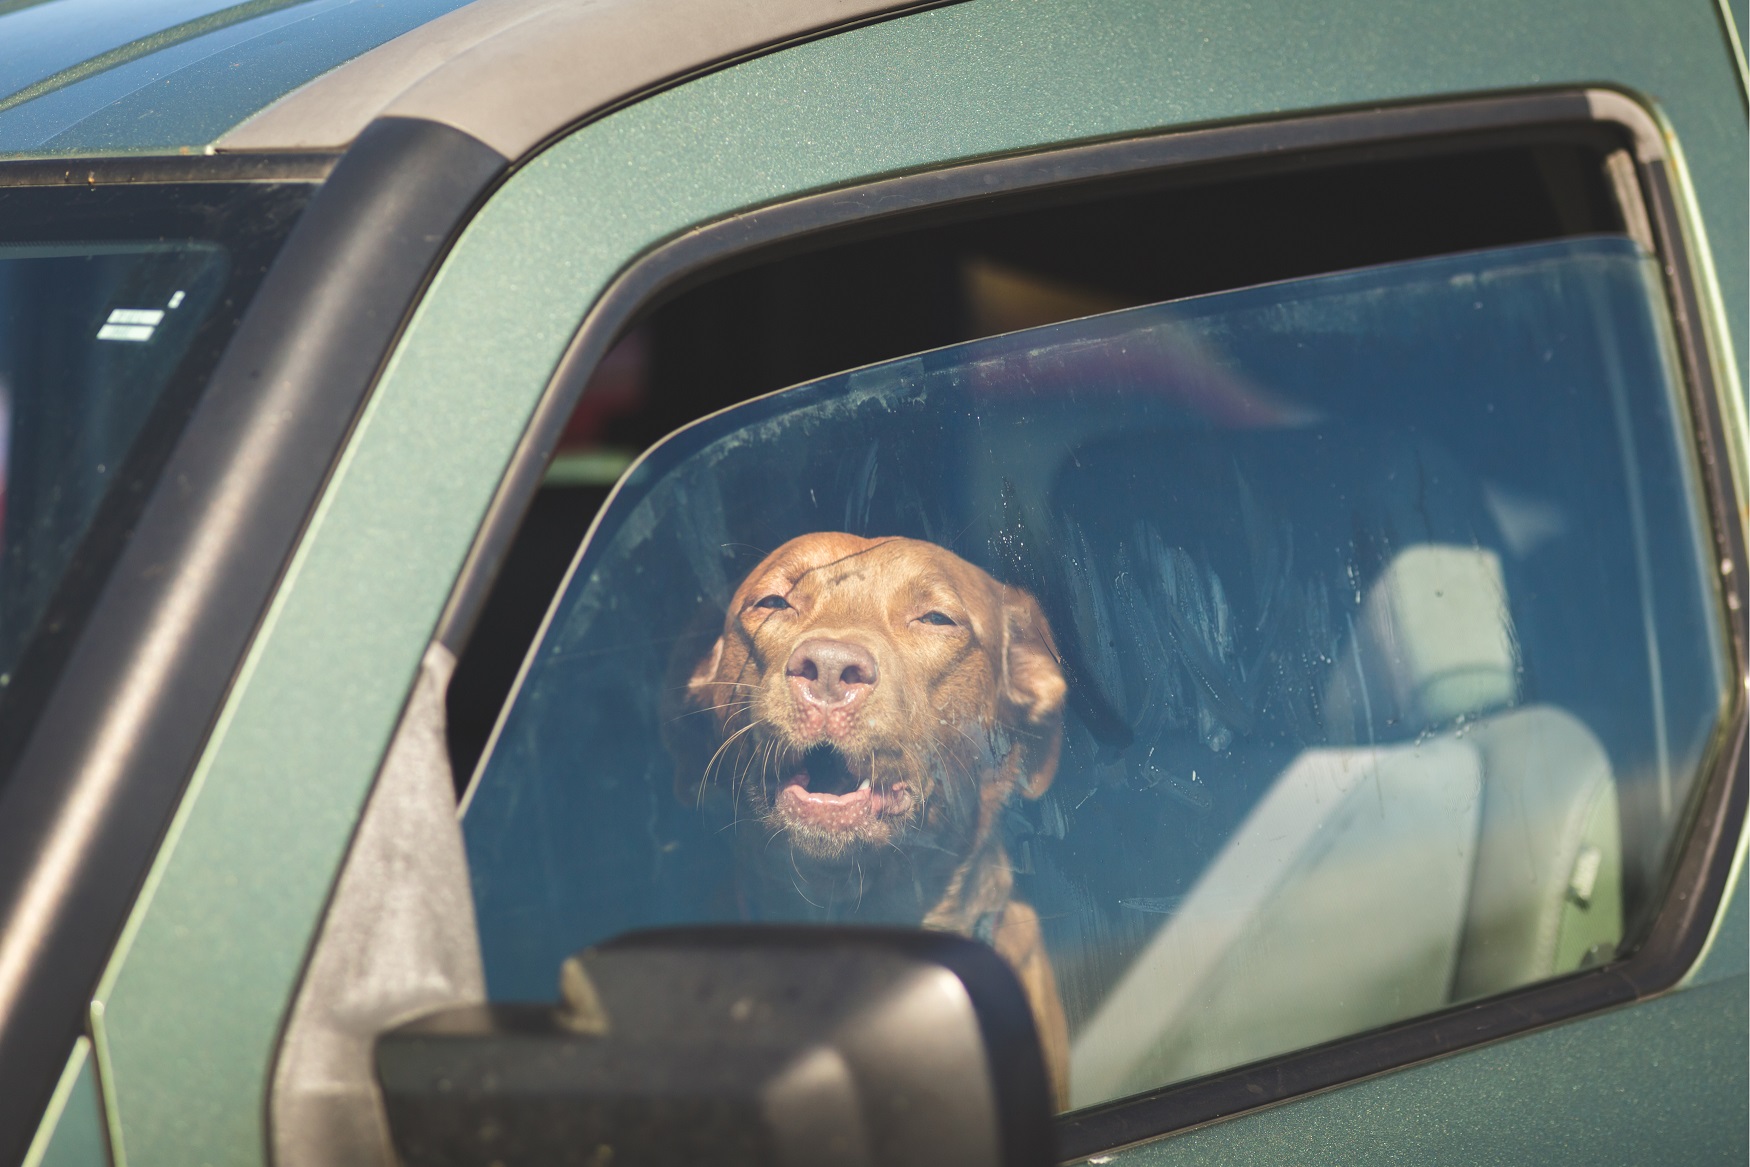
x: 872, y: 705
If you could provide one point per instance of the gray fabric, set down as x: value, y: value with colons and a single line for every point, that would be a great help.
x: 399, y: 939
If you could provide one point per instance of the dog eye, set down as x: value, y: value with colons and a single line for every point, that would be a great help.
x: 775, y: 602
x: 936, y: 618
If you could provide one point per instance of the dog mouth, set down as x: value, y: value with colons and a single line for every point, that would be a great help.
x: 824, y: 790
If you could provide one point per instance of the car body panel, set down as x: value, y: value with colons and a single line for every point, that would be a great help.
x: 1488, y: 1105
x: 1736, y: 14
x: 1599, y: 1091
x: 1728, y: 953
x: 72, y: 1131
x: 179, y: 86
x: 189, y: 1013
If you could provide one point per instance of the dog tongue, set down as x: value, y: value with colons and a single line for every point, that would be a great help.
x: 818, y: 803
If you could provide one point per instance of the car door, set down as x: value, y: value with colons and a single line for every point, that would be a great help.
x: 851, y: 130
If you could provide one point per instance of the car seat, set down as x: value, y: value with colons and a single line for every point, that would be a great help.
x: 1434, y: 839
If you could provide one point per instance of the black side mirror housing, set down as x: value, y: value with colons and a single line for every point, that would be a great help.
x: 735, y: 1046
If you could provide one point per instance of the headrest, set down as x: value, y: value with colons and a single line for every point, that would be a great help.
x: 1272, y: 542
x: 1433, y: 643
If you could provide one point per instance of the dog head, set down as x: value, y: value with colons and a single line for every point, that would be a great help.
x: 870, y: 693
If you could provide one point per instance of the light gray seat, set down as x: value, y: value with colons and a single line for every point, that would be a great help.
x: 1337, y: 906
x: 1436, y: 642
x: 1375, y: 882
x: 1546, y: 885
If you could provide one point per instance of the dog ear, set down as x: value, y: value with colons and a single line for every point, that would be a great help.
x: 703, y: 672
x: 1033, y: 688
x: 688, y: 730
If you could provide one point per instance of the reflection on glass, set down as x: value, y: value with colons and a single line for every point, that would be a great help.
x: 1249, y: 670
x: 89, y: 337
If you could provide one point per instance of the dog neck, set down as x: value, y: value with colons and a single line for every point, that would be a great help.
x: 929, y: 889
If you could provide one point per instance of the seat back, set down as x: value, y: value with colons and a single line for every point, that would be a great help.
x: 1431, y: 841
x: 1438, y: 642
x: 1336, y: 907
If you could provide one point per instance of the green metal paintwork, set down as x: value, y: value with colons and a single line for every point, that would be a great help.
x: 188, y: 1014
x: 1662, y: 1082
x: 1736, y: 14
x: 72, y: 1129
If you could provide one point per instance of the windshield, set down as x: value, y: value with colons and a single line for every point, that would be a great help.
x: 115, y: 303
x: 1249, y: 670
x: 89, y: 336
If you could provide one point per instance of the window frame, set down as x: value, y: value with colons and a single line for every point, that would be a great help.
x: 109, y: 756
x: 1654, y: 207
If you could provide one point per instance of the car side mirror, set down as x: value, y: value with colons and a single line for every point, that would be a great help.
x: 735, y: 1046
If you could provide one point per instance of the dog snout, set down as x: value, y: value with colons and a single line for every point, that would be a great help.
x: 832, y: 673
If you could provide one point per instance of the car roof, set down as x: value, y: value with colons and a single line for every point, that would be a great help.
x: 100, y: 77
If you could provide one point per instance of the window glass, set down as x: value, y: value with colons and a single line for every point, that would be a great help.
x: 1249, y: 670
x: 117, y: 299
x: 89, y: 337
x: 841, y: 299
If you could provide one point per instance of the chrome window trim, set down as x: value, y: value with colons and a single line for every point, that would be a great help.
x: 1654, y: 202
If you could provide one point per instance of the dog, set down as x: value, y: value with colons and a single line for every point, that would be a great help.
x: 872, y: 706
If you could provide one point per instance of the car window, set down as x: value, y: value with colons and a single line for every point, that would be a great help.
x: 116, y: 301
x: 837, y: 300
x: 1250, y: 669
x: 89, y: 337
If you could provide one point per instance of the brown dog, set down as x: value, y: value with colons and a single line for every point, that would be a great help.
x: 876, y: 702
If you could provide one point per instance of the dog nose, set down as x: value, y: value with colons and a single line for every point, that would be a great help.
x: 832, y: 672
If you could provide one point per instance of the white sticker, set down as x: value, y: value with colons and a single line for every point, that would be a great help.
x: 125, y: 332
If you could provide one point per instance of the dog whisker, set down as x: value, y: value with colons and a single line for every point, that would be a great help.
x: 727, y: 742
x: 732, y: 705
x: 925, y: 732
x: 797, y: 881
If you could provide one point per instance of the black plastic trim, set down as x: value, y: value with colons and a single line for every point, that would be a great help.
x: 1701, y: 867
x: 1704, y: 401
x: 84, y: 809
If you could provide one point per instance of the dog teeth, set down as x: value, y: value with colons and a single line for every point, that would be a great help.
x: 864, y: 785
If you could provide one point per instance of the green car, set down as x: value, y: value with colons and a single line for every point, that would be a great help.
x: 1238, y: 511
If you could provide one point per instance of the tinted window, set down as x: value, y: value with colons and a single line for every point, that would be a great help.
x: 89, y: 336
x: 1250, y: 669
